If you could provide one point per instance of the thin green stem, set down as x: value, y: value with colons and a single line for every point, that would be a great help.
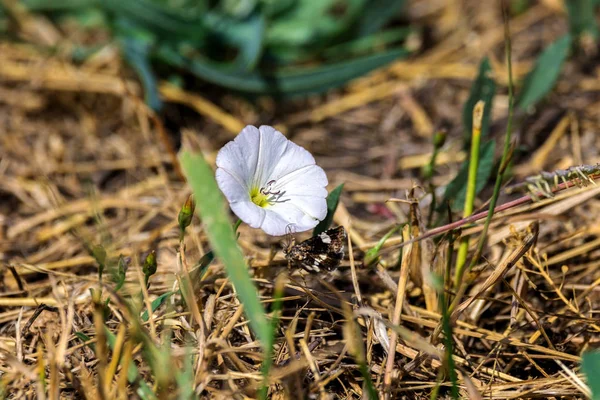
x: 277, y: 306
x: 506, y: 154
x: 447, y: 327
x: 461, y: 259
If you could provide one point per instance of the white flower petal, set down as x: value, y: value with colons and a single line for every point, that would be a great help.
x: 239, y: 157
x: 275, y: 224
x: 234, y: 189
x: 272, y: 147
x: 313, y: 207
x: 284, y: 217
x: 309, y: 180
x: 250, y: 213
x: 292, y: 159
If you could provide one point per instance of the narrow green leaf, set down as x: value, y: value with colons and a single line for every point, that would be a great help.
x: 137, y: 53
x: 366, y: 44
x: 368, y: 385
x: 120, y: 273
x: 332, y: 202
x: 456, y: 190
x: 582, y: 17
x: 247, y: 36
x: 166, y: 22
x: 372, y: 255
x: 133, y: 376
x: 286, y: 82
x: 545, y: 73
x: 210, y: 205
x: 376, y: 14
x: 143, y: 390
x: 449, y: 344
x: 157, y: 303
x: 85, y: 338
x: 482, y: 89
x: 590, y: 364
x: 310, y: 24
x: 185, y: 377
x: 276, y: 310
x: 57, y: 5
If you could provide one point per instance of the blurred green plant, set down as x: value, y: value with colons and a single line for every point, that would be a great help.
x: 542, y: 78
x: 210, y: 204
x: 590, y: 365
x: 283, y: 47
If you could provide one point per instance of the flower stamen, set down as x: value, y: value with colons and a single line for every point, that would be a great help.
x: 267, y: 195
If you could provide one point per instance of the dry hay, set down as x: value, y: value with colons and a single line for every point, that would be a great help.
x: 83, y: 162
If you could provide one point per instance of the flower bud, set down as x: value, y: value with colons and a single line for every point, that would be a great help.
x: 439, y: 139
x: 150, y: 265
x: 186, y: 213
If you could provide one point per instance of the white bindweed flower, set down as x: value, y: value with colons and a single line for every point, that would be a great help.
x: 272, y: 183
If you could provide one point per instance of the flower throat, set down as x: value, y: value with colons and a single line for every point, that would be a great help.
x: 265, y: 195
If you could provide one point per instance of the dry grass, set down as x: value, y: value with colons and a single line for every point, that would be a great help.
x: 83, y: 162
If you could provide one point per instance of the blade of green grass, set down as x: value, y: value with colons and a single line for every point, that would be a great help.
x: 268, y: 361
x: 456, y: 191
x: 448, y: 344
x: 376, y: 15
x: 288, y: 82
x: 311, y: 24
x: 333, y: 200
x: 247, y: 36
x: 483, y: 89
x: 545, y: 73
x: 133, y: 377
x: 157, y: 303
x: 210, y: 206
x: 372, y: 255
x: 582, y: 17
x: 136, y: 52
x: 590, y: 364
x: 185, y: 377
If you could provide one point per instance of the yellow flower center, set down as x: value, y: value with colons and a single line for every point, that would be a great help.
x: 259, y: 198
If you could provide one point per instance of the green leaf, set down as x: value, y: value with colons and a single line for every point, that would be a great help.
x: 294, y: 81
x: 372, y: 255
x: 157, y: 303
x: 85, y: 338
x: 246, y: 36
x: 57, y: 5
x: 545, y: 73
x: 590, y: 364
x: 143, y: 390
x: 137, y: 53
x: 133, y: 376
x: 120, y: 273
x: 313, y: 23
x: 185, y: 377
x: 210, y: 206
x: 483, y: 89
x: 456, y: 190
x: 276, y: 311
x: 582, y: 17
x: 332, y: 202
x: 366, y: 44
x: 375, y: 15
x: 165, y: 22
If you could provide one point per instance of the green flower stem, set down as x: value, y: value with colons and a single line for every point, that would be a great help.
x: 506, y: 155
x: 461, y: 259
